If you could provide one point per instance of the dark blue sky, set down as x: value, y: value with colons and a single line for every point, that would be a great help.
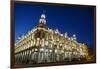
x: 73, y: 20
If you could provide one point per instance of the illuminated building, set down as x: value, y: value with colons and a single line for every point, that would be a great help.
x: 43, y: 45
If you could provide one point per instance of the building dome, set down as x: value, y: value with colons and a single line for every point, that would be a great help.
x: 42, y: 19
x: 43, y: 16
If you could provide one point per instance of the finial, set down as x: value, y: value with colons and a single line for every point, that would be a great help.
x: 74, y: 36
x: 65, y: 34
x: 44, y: 11
x: 43, y: 14
x: 56, y: 31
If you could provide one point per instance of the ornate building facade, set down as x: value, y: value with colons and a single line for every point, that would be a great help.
x: 44, y: 45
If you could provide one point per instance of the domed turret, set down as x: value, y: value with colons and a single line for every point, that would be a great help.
x: 43, y: 16
x: 42, y: 19
x: 74, y: 37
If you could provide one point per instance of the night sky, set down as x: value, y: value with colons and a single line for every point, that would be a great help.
x: 73, y: 20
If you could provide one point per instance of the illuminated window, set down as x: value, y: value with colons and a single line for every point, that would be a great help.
x: 46, y: 43
x: 41, y: 49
